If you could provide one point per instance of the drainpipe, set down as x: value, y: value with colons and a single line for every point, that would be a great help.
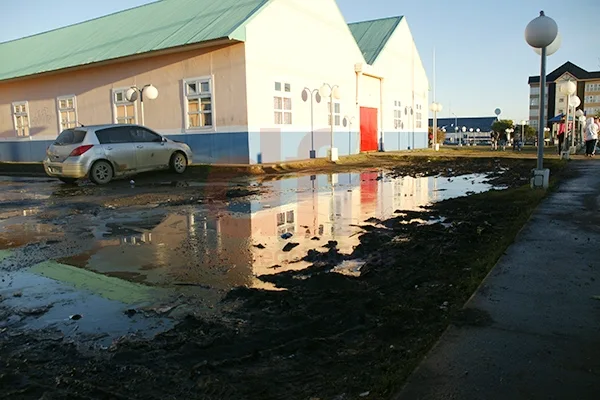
x: 358, y: 70
x: 380, y: 145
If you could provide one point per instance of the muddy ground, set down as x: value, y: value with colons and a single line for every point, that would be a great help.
x: 328, y: 336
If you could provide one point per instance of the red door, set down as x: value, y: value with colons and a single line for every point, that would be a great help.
x: 368, y: 129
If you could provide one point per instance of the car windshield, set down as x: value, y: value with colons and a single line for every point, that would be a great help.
x: 70, y: 136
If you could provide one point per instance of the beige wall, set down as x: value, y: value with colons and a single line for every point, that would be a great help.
x: 93, y: 89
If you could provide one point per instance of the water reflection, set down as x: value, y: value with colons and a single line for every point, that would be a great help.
x: 229, y: 246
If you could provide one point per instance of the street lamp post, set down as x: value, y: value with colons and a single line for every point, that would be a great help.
x: 567, y: 88
x: 435, y: 108
x: 541, y: 33
x: 574, y: 101
x: 581, y: 118
x: 333, y: 92
x: 133, y: 92
x: 348, y: 121
x: 456, y: 129
x: 464, y: 129
x: 471, y: 137
x: 314, y: 96
x: 523, y: 123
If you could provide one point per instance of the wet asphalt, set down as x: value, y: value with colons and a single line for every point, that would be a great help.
x: 538, y: 331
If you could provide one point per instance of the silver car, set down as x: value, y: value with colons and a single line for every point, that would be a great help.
x: 104, y: 152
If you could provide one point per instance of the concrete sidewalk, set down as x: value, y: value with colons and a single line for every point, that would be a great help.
x: 543, y: 339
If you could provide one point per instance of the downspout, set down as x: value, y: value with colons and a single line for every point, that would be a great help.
x: 381, y: 148
x: 358, y: 71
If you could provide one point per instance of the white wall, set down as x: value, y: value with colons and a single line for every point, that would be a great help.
x: 304, y: 43
x: 404, y: 74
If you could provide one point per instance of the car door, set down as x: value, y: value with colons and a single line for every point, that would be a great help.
x: 151, y: 150
x: 119, y: 148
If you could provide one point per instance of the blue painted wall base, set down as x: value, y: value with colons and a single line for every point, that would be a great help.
x: 245, y: 148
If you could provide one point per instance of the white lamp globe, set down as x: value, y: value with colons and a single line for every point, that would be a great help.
x: 552, y: 48
x: 337, y: 93
x: 541, y: 31
x: 325, y: 91
x: 568, y: 88
x: 151, y: 92
x: 439, y: 107
x: 478, y: 130
x: 464, y: 128
x: 579, y: 113
x: 574, y: 101
x: 131, y: 94
x: 582, y: 118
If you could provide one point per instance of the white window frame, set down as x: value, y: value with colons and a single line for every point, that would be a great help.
x: 200, y: 95
x: 283, y: 95
x: 115, y: 104
x: 418, y: 116
x: 61, y: 127
x: 337, y: 115
x: 397, y: 115
x: 16, y: 115
x: 284, y: 223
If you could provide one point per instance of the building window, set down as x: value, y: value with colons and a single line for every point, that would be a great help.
x: 286, y: 222
x: 397, y: 115
x: 21, y: 118
x: 561, y: 111
x: 124, y: 111
x: 419, y: 116
x: 535, y: 101
x: 561, y: 100
x: 199, y: 103
x: 282, y: 104
x: 336, y: 113
x: 67, y: 112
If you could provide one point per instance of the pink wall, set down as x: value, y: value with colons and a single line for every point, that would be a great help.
x: 93, y: 89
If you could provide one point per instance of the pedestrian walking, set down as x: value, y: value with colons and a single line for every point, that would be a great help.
x: 494, y: 138
x: 591, y: 137
x: 503, y: 139
x: 561, y: 135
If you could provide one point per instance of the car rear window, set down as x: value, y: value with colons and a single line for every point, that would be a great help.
x: 70, y: 136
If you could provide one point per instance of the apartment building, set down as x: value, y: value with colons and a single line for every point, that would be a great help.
x: 588, y: 90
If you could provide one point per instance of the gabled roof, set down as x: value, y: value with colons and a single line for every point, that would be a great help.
x: 372, y: 36
x: 483, y: 123
x: 569, y: 67
x: 156, y: 26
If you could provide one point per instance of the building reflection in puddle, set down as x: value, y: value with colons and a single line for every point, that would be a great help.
x: 230, y: 246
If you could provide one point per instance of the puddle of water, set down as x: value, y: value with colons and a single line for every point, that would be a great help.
x: 202, y: 251
x: 19, y: 229
x: 229, y: 246
x: 38, y: 299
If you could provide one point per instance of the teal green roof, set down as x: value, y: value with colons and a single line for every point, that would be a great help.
x: 372, y: 36
x: 156, y: 26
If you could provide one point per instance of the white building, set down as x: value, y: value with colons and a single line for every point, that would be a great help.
x: 231, y: 76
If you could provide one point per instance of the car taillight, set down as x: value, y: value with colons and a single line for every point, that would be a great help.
x: 80, y: 150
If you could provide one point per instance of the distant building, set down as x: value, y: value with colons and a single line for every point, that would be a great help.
x: 588, y: 90
x: 453, y: 128
x: 235, y: 80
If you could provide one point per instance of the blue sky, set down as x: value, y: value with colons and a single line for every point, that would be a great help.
x: 482, y: 60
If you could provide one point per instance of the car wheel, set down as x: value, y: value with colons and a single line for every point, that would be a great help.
x: 178, y: 163
x: 101, y: 172
x: 68, y: 181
